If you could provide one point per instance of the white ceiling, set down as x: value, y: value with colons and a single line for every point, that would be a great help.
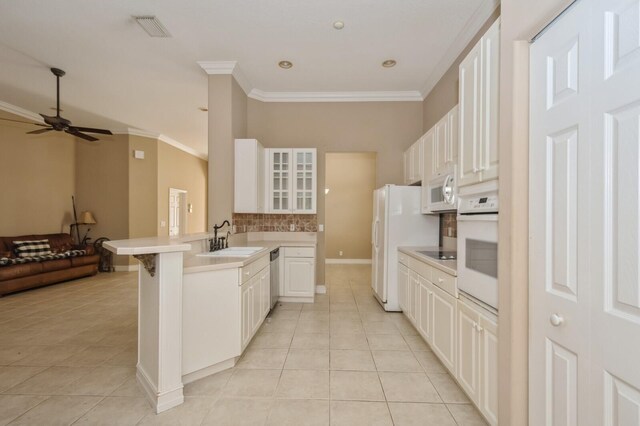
x: 119, y: 77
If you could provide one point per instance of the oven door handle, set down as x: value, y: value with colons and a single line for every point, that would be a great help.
x: 487, y: 217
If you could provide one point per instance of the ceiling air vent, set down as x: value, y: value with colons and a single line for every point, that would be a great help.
x: 152, y: 26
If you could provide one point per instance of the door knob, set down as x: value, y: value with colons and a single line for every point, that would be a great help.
x: 556, y: 320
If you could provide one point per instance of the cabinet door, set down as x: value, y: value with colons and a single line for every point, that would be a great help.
x: 469, y: 351
x: 256, y: 305
x: 425, y: 295
x: 452, y: 136
x: 407, y: 166
x: 469, y: 117
x: 280, y: 180
x: 403, y: 283
x: 299, y: 277
x: 248, y: 177
x: 265, y: 290
x: 412, y: 296
x: 416, y: 161
x: 489, y: 369
x: 427, y: 173
x: 304, y: 182
x: 246, y: 311
x: 444, y: 328
x: 442, y: 132
x: 490, y: 98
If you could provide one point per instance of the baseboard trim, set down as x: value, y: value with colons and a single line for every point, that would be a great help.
x: 288, y: 299
x: 348, y: 261
x: 321, y: 289
x: 160, y: 401
x: 126, y: 268
x: 207, y: 371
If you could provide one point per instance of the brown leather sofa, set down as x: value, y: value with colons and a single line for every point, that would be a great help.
x: 36, y: 274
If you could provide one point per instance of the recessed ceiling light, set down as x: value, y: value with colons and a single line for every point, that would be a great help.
x: 338, y: 25
x: 389, y: 63
x: 285, y: 64
x: 203, y: 109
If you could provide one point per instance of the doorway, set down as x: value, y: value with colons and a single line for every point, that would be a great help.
x: 584, y: 213
x: 350, y: 179
x: 177, y: 212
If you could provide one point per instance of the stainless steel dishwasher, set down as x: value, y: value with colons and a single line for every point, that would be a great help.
x: 275, y: 276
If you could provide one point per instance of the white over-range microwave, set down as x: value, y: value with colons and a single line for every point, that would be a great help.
x: 441, y: 192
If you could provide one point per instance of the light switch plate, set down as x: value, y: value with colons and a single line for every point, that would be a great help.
x: 163, y: 223
x: 292, y: 227
x: 320, y: 228
x: 139, y: 155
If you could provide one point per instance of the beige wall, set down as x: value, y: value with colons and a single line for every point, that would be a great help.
x: 520, y: 22
x: 143, y: 187
x: 102, y: 186
x: 177, y: 169
x: 386, y: 128
x: 227, y: 121
x: 38, y: 179
x: 444, y: 94
x: 351, y: 179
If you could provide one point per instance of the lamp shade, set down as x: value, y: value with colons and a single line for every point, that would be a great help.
x: 87, y: 218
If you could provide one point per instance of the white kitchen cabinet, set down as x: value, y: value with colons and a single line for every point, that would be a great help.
x: 265, y: 291
x: 249, y: 177
x: 478, y: 102
x: 428, y: 141
x: 246, y: 312
x: 403, y: 284
x: 425, y: 307
x: 292, y: 180
x: 440, y: 147
x: 489, y: 368
x: 254, y: 293
x: 413, y: 296
x: 469, y: 351
x: 478, y: 357
x: 299, y: 274
x: 413, y: 162
x: 443, y: 317
x: 444, y: 146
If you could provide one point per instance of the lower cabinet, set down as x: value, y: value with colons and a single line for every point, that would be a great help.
x: 299, y: 273
x: 253, y: 296
x: 462, y: 334
x: 443, y: 339
x: 478, y: 357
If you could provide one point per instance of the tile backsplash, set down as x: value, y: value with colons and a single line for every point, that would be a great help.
x: 448, y: 225
x: 257, y: 222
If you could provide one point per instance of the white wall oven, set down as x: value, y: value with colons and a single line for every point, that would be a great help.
x: 478, y: 244
x: 442, y: 192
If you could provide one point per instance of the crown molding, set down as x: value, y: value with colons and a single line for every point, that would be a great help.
x: 471, y: 28
x: 131, y: 131
x: 16, y: 110
x: 400, y: 96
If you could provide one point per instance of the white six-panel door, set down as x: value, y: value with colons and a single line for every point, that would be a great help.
x: 584, y: 217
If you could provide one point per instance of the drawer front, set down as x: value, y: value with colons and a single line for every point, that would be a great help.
x: 299, y: 252
x: 403, y: 258
x: 445, y: 281
x: 421, y: 268
x: 248, y: 271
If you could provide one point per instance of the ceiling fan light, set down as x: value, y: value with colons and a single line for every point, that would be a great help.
x: 152, y: 26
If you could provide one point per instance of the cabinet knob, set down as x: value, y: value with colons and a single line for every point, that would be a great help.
x: 556, y: 320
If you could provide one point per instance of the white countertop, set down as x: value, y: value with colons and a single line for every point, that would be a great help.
x: 193, y: 263
x: 448, y: 266
x: 152, y: 245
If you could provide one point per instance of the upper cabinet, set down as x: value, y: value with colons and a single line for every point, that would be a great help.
x: 478, y: 103
x: 413, y: 163
x: 444, y: 148
x: 249, y: 177
x: 292, y: 180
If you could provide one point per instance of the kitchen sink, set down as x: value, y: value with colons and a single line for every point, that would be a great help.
x: 232, y: 252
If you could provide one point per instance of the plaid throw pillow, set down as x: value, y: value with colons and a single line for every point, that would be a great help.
x: 32, y: 248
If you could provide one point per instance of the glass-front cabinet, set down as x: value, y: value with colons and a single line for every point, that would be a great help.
x: 292, y: 180
x: 280, y: 169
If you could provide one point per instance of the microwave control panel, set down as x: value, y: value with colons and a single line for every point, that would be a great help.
x: 488, y: 203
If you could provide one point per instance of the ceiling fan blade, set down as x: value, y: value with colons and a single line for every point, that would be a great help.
x: 25, y: 122
x: 91, y: 130
x: 73, y: 131
x: 39, y: 131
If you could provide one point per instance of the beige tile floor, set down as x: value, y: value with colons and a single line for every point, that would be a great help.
x: 68, y: 355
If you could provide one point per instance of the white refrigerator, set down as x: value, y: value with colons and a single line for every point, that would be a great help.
x: 397, y: 221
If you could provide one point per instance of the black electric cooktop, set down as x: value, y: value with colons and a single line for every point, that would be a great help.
x: 440, y: 254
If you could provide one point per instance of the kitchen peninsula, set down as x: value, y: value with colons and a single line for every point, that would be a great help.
x: 197, y: 311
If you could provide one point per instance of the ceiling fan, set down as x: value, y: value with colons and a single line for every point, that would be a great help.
x: 59, y: 123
